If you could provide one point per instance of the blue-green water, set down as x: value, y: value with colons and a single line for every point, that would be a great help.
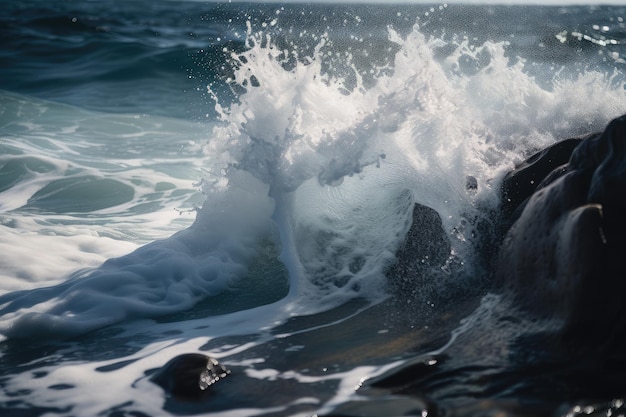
x: 236, y: 179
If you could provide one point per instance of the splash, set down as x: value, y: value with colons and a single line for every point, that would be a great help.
x: 345, y: 163
x: 327, y: 166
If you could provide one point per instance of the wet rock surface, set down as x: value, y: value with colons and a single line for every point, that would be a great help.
x: 548, y: 340
x: 190, y: 376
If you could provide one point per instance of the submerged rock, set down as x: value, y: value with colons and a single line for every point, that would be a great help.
x: 188, y: 376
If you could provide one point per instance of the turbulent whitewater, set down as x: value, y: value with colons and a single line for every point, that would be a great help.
x: 237, y: 179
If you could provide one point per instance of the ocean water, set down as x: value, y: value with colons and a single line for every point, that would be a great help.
x: 237, y: 179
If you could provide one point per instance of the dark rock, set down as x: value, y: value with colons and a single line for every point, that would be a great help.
x: 188, y: 376
x: 471, y: 183
x: 426, y: 242
x: 424, y: 251
x: 519, y: 184
x: 605, y: 155
x: 562, y: 257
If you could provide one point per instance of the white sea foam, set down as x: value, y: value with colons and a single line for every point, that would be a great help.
x: 340, y: 165
x: 332, y: 170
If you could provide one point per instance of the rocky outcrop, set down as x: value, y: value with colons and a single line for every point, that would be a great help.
x: 564, y: 255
